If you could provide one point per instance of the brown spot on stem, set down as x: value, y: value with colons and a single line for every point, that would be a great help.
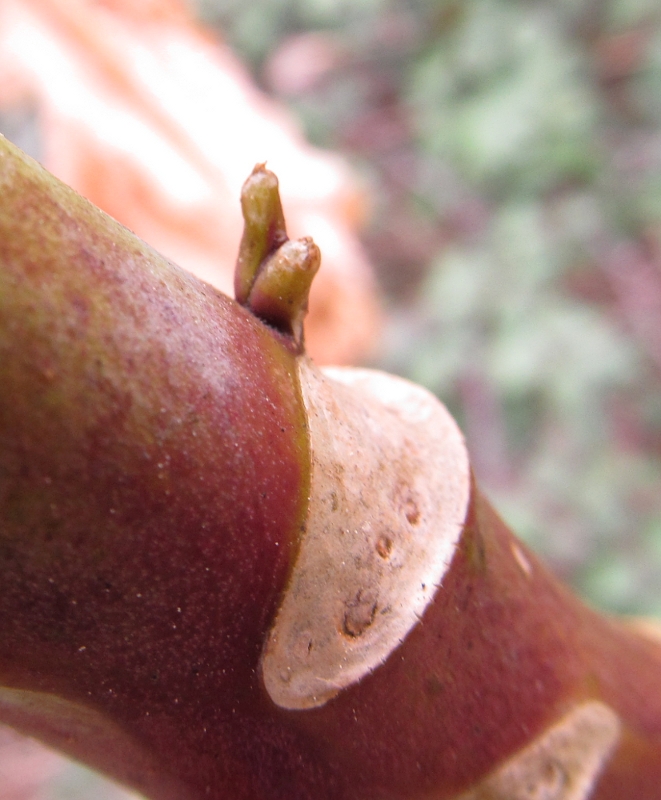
x: 384, y: 546
x: 359, y: 615
x: 434, y: 685
x: 412, y: 511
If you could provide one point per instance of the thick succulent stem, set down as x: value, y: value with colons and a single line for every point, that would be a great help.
x: 224, y: 574
x: 154, y: 472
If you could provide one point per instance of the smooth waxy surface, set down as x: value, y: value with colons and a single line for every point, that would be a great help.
x: 153, y: 480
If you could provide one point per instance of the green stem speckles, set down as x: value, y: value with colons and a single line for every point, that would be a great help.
x: 273, y: 273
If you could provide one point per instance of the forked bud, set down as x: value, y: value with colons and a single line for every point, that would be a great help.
x: 273, y: 273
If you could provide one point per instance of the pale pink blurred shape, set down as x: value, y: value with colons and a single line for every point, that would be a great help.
x: 31, y: 771
x: 635, y: 276
x: 158, y: 124
x: 25, y: 767
x: 302, y: 61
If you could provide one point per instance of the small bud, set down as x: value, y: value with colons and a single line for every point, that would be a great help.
x: 264, y: 228
x: 273, y: 273
x: 281, y: 289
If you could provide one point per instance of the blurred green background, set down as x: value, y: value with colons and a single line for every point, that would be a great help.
x: 513, y: 154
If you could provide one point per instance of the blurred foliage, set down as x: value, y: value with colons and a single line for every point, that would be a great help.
x: 513, y: 151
